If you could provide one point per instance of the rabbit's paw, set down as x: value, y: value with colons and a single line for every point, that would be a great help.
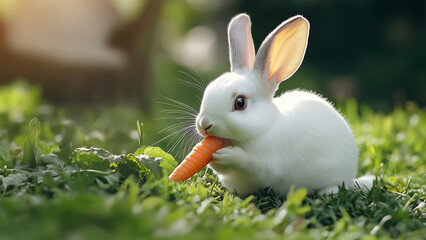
x: 230, y: 155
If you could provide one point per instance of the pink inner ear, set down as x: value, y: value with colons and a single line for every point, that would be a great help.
x: 249, y: 54
x: 287, y: 50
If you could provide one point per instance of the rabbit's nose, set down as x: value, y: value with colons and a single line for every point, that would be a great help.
x: 206, y: 123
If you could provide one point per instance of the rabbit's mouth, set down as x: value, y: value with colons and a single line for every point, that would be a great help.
x: 206, y: 127
x: 213, y: 133
x: 211, y: 130
x: 208, y: 132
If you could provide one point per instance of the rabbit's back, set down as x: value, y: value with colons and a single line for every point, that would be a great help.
x: 314, y: 145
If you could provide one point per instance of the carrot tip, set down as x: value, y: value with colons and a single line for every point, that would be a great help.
x: 173, y: 178
x: 197, y: 159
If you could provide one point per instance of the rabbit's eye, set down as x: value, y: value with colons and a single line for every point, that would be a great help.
x: 240, y: 103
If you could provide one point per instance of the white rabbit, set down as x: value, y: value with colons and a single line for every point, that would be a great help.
x: 296, y: 139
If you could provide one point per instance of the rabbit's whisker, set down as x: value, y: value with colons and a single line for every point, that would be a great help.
x: 179, y: 105
x: 191, y: 84
x: 183, y: 134
x: 179, y: 125
x: 200, y: 83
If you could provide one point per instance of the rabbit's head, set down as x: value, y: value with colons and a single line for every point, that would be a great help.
x: 239, y: 104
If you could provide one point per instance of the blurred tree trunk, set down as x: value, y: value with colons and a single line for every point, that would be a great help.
x: 137, y: 40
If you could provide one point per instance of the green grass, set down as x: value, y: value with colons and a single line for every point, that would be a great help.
x: 69, y: 174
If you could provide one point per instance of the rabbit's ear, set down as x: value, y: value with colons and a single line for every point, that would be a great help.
x: 282, y: 51
x: 241, y: 48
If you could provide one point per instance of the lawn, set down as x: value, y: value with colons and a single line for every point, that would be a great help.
x: 74, y: 172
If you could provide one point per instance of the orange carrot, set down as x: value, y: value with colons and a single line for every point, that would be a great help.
x: 197, y: 159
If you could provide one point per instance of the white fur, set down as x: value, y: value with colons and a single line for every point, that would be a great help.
x: 297, y: 139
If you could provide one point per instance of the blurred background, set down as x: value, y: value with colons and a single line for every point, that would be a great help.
x: 132, y: 52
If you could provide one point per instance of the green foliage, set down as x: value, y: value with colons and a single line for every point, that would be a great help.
x: 168, y: 163
x: 18, y: 100
x: 59, y: 179
x: 31, y: 151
